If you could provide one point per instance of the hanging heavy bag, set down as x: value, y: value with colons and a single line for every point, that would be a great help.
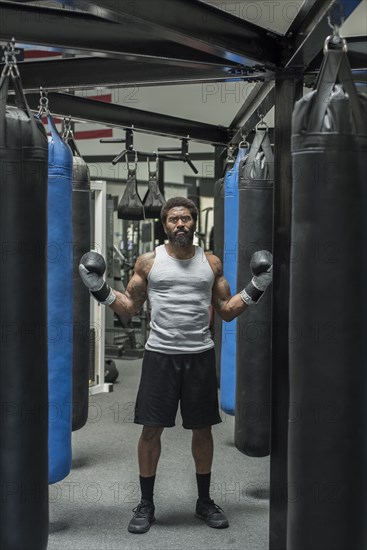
x: 60, y: 304
x: 153, y: 200
x: 81, y: 303
x: 230, y: 257
x: 327, y: 459
x: 218, y: 251
x: 253, y: 356
x: 130, y: 206
x: 23, y: 313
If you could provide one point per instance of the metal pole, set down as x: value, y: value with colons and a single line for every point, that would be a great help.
x: 288, y: 88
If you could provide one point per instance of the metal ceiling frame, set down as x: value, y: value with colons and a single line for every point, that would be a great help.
x: 80, y: 73
x: 165, y: 42
x: 109, y: 114
x: 194, y: 24
x: 307, y: 40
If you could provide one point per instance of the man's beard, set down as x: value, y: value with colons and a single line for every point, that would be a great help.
x: 181, y: 240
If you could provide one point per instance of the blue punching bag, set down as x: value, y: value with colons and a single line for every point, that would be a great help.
x: 60, y: 304
x: 228, y: 353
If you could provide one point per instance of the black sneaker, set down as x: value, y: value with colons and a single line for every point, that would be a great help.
x: 211, y: 513
x: 143, y: 517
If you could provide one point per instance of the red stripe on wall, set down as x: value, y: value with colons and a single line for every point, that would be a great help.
x: 55, y: 119
x: 34, y: 54
x: 93, y: 134
x: 106, y: 98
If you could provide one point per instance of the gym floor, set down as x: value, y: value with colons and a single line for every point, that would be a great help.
x: 91, y: 508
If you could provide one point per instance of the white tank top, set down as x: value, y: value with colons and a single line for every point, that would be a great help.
x: 180, y: 293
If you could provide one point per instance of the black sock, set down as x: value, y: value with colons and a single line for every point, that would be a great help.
x: 203, y: 481
x: 147, y: 486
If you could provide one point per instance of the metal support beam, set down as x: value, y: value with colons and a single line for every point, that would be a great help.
x: 288, y: 89
x: 195, y: 24
x: 72, y: 31
x: 94, y: 159
x: 88, y: 72
x: 260, y: 100
x: 124, y: 117
x: 310, y: 36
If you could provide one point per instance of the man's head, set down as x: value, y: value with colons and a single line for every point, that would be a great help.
x: 179, y: 216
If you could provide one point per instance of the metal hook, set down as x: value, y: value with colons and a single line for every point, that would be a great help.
x: 43, y: 103
x: 340, y: 16
x: 156, y: 164
x: 230, y: 158
x: 230, y: 150
x: 335, y: 39
x: 10, y: 60
x: 68, y: 132
x: 135, y: 160
x: 261, y: 122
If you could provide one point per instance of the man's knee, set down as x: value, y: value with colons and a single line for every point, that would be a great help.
x: 204, y: 433
x: 151, y: 434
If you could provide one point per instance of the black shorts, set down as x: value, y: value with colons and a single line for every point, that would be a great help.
x: 167, y: 379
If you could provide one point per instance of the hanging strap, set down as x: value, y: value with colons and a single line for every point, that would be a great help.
x: 153, y: 200
x: 53, y: 130
x: 256, y: 144
x: 335, y: 67
x: 20, y: 101
x: 4, y: 86
x: 260, y: 141
x: 131, y: 207
x: 268, y: 152
x: 70, y: 140
x: 68, y: 137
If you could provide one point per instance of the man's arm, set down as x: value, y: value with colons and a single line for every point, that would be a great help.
x: 92, y: 267
x: 131, y: 301
x: 228, y: 306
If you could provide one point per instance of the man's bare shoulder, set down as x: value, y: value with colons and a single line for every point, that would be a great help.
x: 144, y: 263
x: 215, y: 263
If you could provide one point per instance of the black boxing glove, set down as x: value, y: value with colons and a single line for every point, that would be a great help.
x: 91, y: 269
x: 261, y: 265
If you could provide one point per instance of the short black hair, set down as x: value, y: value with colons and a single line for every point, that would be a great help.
x: 179, y: 201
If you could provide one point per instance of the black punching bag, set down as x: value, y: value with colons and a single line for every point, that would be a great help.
x: 253, y: 356
x: 81, y: 304
x: 327, y: 458
x: 218, y: 251
x: 23, y: 313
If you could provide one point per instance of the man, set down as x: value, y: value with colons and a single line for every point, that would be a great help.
x: 181, y: 282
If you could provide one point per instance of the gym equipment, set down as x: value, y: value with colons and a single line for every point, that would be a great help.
x: 327, y: 459
x: 182, y: 156
x: 153, y: 200
x: 121, y: 330
x: 81, y: 303
x: 60, y: 303
x: 218, y: 238
x: 230, y: 258
x: 23, y: 314
x: 131, y: 206
x: 253, y: 357
x: 111, y: 372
